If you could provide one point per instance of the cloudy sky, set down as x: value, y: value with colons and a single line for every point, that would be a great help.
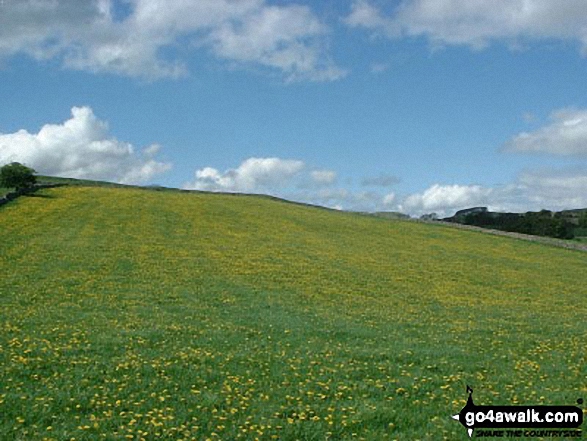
x: 416, y: 106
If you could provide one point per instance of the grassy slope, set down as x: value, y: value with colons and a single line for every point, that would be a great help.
x: 128, y: 311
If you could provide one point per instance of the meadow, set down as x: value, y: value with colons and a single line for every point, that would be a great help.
x: 138, y: 314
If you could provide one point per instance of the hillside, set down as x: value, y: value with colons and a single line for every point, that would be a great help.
x: 148, y: 314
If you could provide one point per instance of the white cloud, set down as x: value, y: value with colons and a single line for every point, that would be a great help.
x: 366, y: 15
x: 389, y: 200
x: 551, y: 189
x: 293, y: 180
x: 254, y: 175
x: 290, y: 179
x: 443, y: 198
x: 323, y: 177
x: 565, y: 135
x: 475, y: 23
x: 152, y: 150
x: 556, y: 189
x: 81, y: 148
x: 88, y: 36
x: 281, y: 37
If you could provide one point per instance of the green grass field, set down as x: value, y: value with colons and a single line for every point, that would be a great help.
x: 137, y: 314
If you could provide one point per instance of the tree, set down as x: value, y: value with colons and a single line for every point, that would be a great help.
x: 18, y: 176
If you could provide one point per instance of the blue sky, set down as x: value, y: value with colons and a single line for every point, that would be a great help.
x: 416, y: 106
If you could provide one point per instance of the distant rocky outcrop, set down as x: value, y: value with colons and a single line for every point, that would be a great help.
x: 461, y: 214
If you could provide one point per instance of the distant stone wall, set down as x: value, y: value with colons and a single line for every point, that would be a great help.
x: 24, y: 191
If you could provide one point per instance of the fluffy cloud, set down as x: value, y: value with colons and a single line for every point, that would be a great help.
x: 475, y: 23
x: 389, y: 200
x: 285, y: 38
x: 323, y: 177
x: 443, y: 198
x: 294, y: 180
x: 90, y: 35
x: 566, y: 135
x: 81, y: 148
x: 551, y: 189
x: 555, y: 189
x: 254, y: 175
x: 290, y: 179
x: 366, y: 15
